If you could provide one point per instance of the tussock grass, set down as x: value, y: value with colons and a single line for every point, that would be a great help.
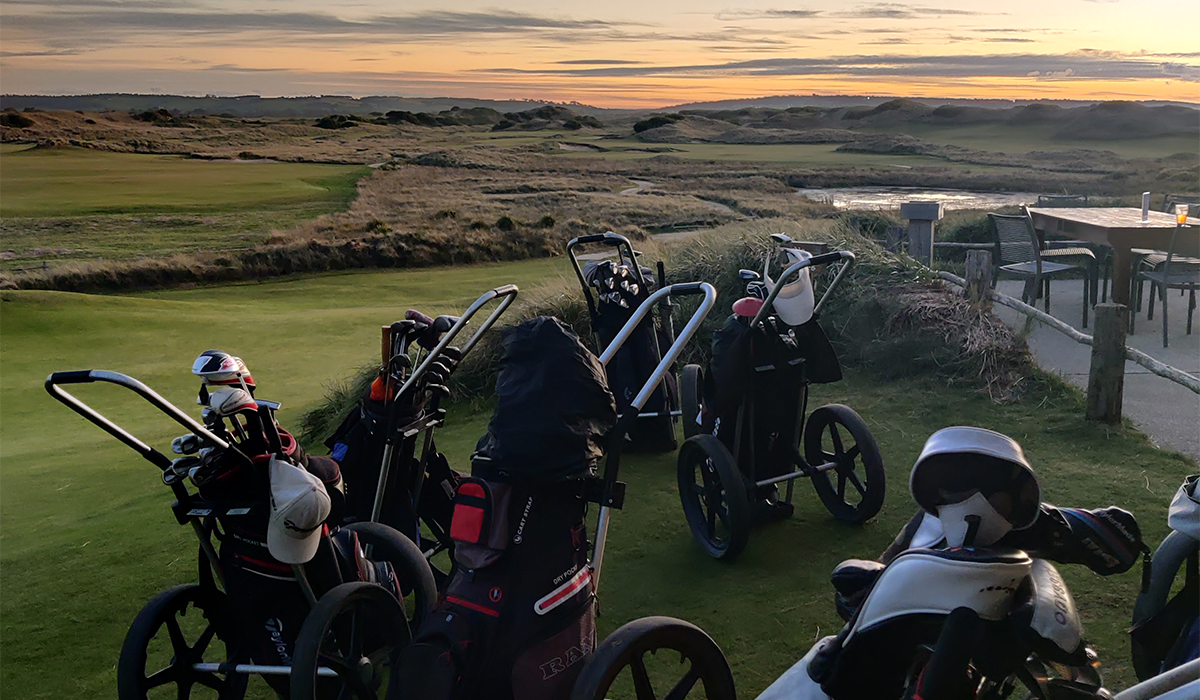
x: 888, y: 317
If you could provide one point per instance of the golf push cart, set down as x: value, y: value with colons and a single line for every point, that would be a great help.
x: 273, y: 619
x: 745, y: 418
x: 387, y: 479
x: 517, y: 617
x: 255, y: 605
x: 613, y: 289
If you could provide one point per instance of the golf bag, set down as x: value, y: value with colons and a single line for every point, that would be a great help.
x: 357, y: 446
x: 518, y: 617
x: 618, y: 295
x: 266, y: 606
x: 776, y: 364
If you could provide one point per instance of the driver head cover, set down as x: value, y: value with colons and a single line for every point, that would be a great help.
x: 229, y: 400
x: 795, y: 302
x: 299, y: 506
x: 977, y: 482
x: 217, y: 368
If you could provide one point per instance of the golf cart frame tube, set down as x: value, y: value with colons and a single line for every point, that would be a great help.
x: 152, y: 455
x: 837, y: 255
x: 617, y: 437
x: 507, y: 295
x: 257, y: 669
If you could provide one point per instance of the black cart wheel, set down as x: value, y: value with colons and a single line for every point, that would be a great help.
x: 349, y: 643
x: 691, y: 388
x: 664, y: 658
x: 179, y: 627
x: 714, y: 496
x: 412, y: 569
x: 853, y: 489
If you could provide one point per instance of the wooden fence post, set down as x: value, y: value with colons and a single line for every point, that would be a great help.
x: 979, y: 278
x: 895, y: 238
x: 1106, y: 382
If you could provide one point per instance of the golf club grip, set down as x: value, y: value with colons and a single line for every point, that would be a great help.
x: 78, y: 376
x: 945, y: 676
x: 826, y: 258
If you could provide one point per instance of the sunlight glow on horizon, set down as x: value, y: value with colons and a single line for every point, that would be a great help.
x: 625, y: 54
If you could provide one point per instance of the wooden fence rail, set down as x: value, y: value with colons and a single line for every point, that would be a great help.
x: 1133, y: 354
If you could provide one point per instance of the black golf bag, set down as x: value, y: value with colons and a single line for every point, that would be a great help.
x: 357, y: 445
x: 266, y: 606
x: 618, y: 295
x: 518, y: 618
x: 775, y: 364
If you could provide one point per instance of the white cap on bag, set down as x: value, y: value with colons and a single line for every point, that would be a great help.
x: 299, y: 506
x: 795, y: 302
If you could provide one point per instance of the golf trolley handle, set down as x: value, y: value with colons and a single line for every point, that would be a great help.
x: 152, y: 455
x: 617, y: 436
x: 672, y: 353
x: 507, y: 295
x: 823, y: 259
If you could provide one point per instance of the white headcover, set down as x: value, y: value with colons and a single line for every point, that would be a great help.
x: 1184, y: 515
x: 795, y: 302
x: 299, y: 506
x: 228, y: 400
x: 955, y: 524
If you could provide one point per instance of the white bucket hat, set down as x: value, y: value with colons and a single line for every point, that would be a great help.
x: 795, y: 301
x: 299, y: 506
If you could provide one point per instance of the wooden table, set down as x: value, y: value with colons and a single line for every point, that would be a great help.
x: 1122, y: 229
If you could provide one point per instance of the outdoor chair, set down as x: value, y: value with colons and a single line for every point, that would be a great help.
x: 1175, y: 272
x: 1146, y: 260
x: 1019, y: 254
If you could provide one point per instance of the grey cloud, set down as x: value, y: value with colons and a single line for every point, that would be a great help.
x: 93, y: 20
x: 895, y: 10
x: 1084, y: 65
x: 27, y: 54
x: 768, y: 14
x: 599, y: 62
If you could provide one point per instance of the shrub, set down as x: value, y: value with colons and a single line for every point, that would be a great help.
x: 655, y: 122
x: 546, y: 221
x: 15, y: 120
x: 505, y: 223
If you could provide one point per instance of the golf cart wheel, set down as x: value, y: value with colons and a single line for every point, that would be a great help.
x: 412, y: 569
x: 713, y: 494
x: 175, y: 630
x: 357, y: 630
x: 648, y: 649
x: 853, y: 489
x: 691, y: 385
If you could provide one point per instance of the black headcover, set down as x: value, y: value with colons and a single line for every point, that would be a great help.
x: 553, y: 407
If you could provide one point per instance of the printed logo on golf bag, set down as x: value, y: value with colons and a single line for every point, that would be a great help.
x: 558, y: 664
x: 563, y: 593
x: 274, y: 627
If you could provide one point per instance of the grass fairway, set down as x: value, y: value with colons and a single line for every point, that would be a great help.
x: 76, y: 203
x: 76, y: 181
x: 87, y: 537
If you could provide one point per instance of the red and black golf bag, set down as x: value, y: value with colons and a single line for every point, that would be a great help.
x: 517, y: 619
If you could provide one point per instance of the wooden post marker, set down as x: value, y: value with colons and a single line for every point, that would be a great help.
x: 895, y: 238
x: 1106, y: 382
x: 979, y: 278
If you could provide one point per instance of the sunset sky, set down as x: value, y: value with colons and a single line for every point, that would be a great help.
x: 617, y: 53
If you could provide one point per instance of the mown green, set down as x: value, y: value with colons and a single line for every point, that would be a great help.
x: 87, y: 537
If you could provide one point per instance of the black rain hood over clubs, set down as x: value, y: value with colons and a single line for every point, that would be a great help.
x: 553, y: 407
